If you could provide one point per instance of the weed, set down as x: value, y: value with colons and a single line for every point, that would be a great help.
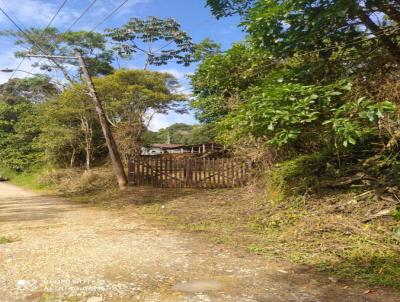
x: 4, y: 240
x: 396, y: 215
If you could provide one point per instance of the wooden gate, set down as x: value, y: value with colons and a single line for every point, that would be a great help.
x: 167, y: 172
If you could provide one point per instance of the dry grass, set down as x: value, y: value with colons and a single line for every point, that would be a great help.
x: 78, y: 181
x: 311, y: 233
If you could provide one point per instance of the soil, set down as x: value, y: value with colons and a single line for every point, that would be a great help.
x: 64, y: 251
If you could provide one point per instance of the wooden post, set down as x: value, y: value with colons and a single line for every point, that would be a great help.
x: 130, y: 171
x: 117, y: 165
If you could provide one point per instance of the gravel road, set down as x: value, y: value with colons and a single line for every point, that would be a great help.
x: 62, y: 251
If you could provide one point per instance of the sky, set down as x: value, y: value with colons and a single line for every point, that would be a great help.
x: 194, y: 17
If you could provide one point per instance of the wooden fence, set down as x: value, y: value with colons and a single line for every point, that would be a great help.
x: 169, y: 172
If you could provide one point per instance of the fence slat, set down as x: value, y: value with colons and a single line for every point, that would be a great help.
x: 168, y: 172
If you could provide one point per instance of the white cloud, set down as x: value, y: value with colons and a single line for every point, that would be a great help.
x: 175, y: 72
x: 8, y: 61
x: 36, y: 13
x: 30, y: 13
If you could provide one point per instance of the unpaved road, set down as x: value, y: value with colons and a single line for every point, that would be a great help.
x: 68, y: 252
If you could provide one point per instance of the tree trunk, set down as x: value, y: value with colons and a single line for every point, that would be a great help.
x: 88, y: 156
x: 391, y: 11
x: 88, y: 133
x: 72, y: 161
x: 377, y: 31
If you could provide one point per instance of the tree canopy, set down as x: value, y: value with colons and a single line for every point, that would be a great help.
x: 51, y: 41
x: 311, y: 76
x: 144, y: 36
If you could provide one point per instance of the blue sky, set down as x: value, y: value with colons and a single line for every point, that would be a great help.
x: 194, y: 17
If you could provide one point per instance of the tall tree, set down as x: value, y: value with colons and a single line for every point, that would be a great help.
x: 291, y: 26
x: 70, y: 133
x: 131, y: 98
x: 51, y: 41
x: 161, y: 41
x: 19, y: 122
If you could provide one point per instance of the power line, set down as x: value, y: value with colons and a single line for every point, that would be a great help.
x: 28, y: 36
x: 56, y: 14
x: 51, y: 22
x: 82, y: 14
x: 41, y: 35
x: 16, y: 69
x: 10, y: 11
x: 109, y: 15
x: 24, y: 33
x: 20, y: 29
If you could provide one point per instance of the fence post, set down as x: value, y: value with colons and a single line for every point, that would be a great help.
x: 130, y: 171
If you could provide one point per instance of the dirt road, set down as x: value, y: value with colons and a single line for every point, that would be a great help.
x: 68, y: 252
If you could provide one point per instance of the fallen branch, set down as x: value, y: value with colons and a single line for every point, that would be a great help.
x: 385, y: 212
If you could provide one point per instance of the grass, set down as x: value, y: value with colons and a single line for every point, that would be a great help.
x: 339, y: 245
x: 28, y: 179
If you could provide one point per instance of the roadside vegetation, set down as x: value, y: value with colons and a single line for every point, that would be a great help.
x: 4, y: 240
x: 311, y: 97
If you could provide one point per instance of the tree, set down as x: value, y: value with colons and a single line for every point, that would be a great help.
x: 224, y: 8
x: 180, y: 133
x: 70, y: 133
x: 292, y: 26
x: 220, y: 80
x: 19, y: 121
x: 36, y: 89
x: 283, y: 85
x: 131, y: 98
x: 161, y: 41
x: 206, y: 48
x: 50, y: 41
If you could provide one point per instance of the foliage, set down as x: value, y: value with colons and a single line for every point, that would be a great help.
x: 71, y: 134
x: 221, y: 79
x: 144, y: 36
x: 223, y: 8
x: 17, y: 150
x: 41, y: 125
x: 285, y: 113
x: 181, y: 134
x: 311, y: 25
x: 295, y: 177
x: 300, y: 83
x: 131, y: 98
x: 291, y: 26
x: 206, y: 48
x: 19, y: 125
x: 53, y: 42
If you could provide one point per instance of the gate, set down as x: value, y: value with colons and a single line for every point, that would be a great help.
x: 168, y: 172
